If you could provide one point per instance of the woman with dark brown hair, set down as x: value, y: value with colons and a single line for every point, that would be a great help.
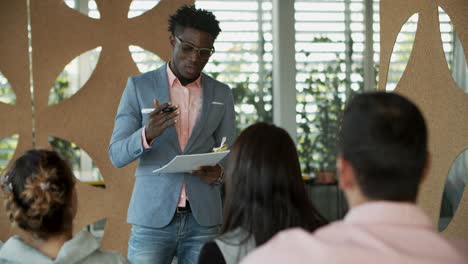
x: 40, y: 199
x: 265, y: 194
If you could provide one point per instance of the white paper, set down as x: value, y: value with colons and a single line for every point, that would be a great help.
x: 188, y: 163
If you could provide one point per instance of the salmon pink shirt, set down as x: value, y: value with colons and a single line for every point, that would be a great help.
x: 374, y: 232
x: 189, y: 100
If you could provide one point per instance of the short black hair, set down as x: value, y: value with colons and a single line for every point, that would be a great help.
x: 189, y: 16
x: 384, y: 137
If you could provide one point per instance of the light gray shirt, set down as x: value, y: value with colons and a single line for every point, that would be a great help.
x: 82, y: 248
x: 234, y: 245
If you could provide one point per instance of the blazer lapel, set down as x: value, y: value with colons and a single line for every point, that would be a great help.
x: 161, y: 88
x: 161, y: 85
x: 207, y: 98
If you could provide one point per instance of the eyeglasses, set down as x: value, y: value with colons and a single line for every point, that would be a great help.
x: 204, y: 53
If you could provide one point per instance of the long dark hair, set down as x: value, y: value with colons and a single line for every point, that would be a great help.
x: 265, y: 192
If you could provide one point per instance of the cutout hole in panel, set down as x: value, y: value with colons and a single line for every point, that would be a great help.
x: 83, y: 166
x: 453, y: 49
x: 145, y: 60
x: 138, y: 7
x: 74, y: 76
x: 86, y: 7
x: 401, y: 52
x: 455, y: 185
x: 7, y: 150
x: 7, y: 95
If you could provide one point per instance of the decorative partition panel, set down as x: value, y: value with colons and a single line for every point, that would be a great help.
x: 58, y: 35
x: 428, y: 81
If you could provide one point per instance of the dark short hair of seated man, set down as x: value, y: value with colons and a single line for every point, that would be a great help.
x: 384, y: 137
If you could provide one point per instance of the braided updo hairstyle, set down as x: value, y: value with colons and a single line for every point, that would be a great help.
x: 38, y: 189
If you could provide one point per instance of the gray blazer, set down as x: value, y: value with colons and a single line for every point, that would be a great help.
x: 155, y: 196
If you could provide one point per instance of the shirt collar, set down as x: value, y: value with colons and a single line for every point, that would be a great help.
x: 384, y: 212
x: 172, y: 78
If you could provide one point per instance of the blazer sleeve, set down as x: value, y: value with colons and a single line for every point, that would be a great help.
x: 126, y: 142
x: 210, y: 254
x: 227, y: 127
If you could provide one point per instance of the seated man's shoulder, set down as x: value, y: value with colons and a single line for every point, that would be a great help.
x: 461, y: 245
x: 281, y: 247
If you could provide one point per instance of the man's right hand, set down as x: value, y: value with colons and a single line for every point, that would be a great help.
x: 158, y: 121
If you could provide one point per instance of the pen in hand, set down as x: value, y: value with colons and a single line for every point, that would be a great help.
x: 165, y: 110
x: 160, y: 118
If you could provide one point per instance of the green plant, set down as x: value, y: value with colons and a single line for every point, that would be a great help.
x: 325, y: 92
x: 258, y: 98
x: 246, y: 94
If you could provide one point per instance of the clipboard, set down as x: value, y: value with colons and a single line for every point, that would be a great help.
x: 189, y: 163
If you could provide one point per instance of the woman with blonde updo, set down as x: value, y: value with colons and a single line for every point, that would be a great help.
x: 40, y: 199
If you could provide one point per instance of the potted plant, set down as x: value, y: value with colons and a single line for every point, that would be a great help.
x: 320, y: 118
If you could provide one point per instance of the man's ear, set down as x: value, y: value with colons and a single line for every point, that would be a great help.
x: 427, y: 166
x: 347, y: 179
x: 172, y: 40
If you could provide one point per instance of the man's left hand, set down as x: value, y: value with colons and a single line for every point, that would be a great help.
x: 209, y: 174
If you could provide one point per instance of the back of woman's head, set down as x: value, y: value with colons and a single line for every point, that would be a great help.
x: 39, y: 188
x: 265, y: 192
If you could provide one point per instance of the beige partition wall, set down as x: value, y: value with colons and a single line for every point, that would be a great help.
x: 58, y: 35
x: 428, y: 81
x: 14, y: 63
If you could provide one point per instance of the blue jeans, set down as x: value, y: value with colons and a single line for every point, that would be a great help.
x: 182, y: 237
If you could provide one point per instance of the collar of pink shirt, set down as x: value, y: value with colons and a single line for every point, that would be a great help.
x: 172, y: 78
x: 383, y: 212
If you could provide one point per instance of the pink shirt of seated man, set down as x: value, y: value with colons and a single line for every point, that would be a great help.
x: 373, y: 232
x: 188, y: 98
